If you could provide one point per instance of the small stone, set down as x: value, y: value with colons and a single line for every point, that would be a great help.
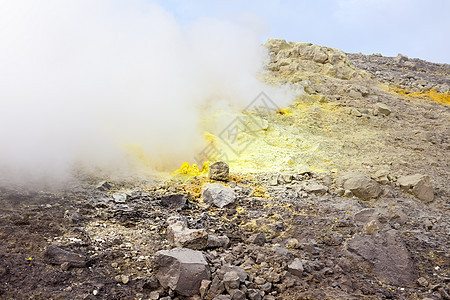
x: 231, y: 281
x: 360, y: 185
x: 204, y: 286
x: 216, y: 288
x: 340, y: 191
x: 381, y: 108
x: 348, y: 193
x: 219, y: 171
x: 315, y: 188
x: 95, y: 292
x: 355, y: 94
x: 120, y: 198
x: 296, y: 267
x: 218, y: 241
x: 218, y: 195
x: 103, y: 185
x: 273, y: 181
x: 254, y: 294
x: 257, y: 239
x: 355, y: 112
x: 371, y: 228
x: 293, y: 244
x: 419, y: 185
x: 114, y: 265
x: 241, y: 272
x: 259, y: 280
x: 422, y: 282
x: 287, y: 178
x: 266, y: 287
x: 124, y: 279
x: 237, y: 295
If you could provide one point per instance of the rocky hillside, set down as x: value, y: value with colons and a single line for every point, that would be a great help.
x: 344, y: 194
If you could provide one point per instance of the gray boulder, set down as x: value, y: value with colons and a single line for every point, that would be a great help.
x: 218, y: 195
x: 360, y: 185
x: 181, y: 270
x: 419, y: 185
x: 219, y: 171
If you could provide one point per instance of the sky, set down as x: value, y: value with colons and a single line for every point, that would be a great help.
x: 416, y: 28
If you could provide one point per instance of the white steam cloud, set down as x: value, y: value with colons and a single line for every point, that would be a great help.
x: 81, y: 80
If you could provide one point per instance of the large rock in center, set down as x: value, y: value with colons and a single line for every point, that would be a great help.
x: 218, y: 195
x: 361, y: 186
x: 181, y: 270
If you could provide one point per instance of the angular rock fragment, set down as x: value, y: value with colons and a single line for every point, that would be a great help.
x: 231, y: 281
x: 219, y: 171
x: 239, y: 271
x: 419, y: 185
x: 389, y: 256
x: 257, y: 239
x: 315, y: 188
x: 237, y: 295
x: 120, y: 197
x: 381, y: 108
x: 218, y: 241
x: 179, y: 235
x: 254, y: 294
x: 204, y: 286
x: 181, y: 270
x: 216, y: 288
x: 103, y: 185
x: 218, y: 195
x: 360, y: 185
x: 60, y: 256
x: 296, y: 267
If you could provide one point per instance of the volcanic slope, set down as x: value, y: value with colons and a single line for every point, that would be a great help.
x: 343, y: 194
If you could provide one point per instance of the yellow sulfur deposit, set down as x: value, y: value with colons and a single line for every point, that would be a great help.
x: 188, y: 170
x: 429, y: 95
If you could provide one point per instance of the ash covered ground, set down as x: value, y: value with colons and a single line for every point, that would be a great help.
x: 343, y: 195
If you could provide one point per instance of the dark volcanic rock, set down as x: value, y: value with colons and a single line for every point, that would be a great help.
x: 389, y: 256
